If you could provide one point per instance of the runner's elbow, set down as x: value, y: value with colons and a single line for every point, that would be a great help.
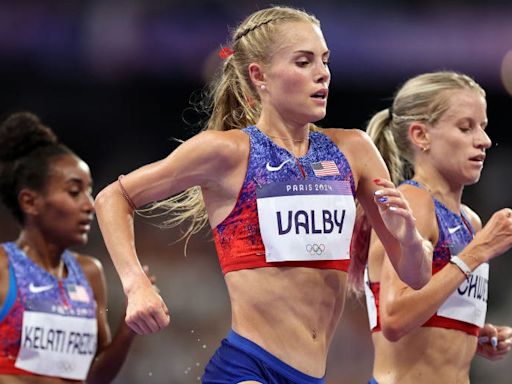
x: 103, y: 198
x: 392, y: 328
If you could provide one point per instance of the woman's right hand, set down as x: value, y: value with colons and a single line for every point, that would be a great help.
x: 494, y: 239
x: 146, y: 311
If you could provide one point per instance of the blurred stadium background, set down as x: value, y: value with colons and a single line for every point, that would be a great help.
x: 114, y: 80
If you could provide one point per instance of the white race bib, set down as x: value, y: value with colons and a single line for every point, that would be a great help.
x: 469, y: 302
x: 306, y: 220
x: 56, y: 345
x: 370, y: 300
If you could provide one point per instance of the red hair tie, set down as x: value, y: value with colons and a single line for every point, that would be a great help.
x: 225, y: 52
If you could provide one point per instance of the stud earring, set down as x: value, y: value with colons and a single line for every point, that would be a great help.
x: 262, y: 87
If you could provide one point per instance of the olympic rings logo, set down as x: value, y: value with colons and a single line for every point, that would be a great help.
x: 315, y: 249
x: 65, y: 366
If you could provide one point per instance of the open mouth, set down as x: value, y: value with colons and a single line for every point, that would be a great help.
x: 479, y: 158
x: 322, y: 94
x: 85, y: 225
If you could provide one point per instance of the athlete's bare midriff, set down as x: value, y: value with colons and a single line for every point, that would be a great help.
x: 290, y: 312
x: 427, y: 355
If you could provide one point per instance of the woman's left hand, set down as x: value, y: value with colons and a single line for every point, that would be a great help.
x: 395, y: 212
x: 494, y: 341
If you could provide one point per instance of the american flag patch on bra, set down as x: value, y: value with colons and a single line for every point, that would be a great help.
x: 78, y: 293
x: 325, y: 168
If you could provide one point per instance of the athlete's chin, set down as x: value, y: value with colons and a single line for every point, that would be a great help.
x: 317, y: 116
x: 472, y: 180
x: 472, y: 177
x: 81, y: 239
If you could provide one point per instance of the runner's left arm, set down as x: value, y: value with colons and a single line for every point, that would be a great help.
x: 388, y: 212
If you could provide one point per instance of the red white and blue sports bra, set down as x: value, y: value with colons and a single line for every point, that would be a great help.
x: 466, y: 308
x: 48, y: 325
x: 290, y: 211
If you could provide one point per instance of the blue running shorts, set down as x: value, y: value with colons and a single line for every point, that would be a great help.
x: 239, y: 359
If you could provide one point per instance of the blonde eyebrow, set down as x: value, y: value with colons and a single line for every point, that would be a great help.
x: 312, y: 53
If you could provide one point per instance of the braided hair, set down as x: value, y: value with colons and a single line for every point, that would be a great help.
x: 232, y: 101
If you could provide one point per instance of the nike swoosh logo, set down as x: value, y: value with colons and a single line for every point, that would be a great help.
x: 270, y: 168
x: 451, y: 231
x: 39, y: 288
